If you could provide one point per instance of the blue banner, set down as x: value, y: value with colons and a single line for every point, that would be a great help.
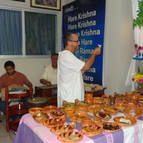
x: 87, y: 18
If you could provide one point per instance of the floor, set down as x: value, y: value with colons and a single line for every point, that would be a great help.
x: 5, y: 137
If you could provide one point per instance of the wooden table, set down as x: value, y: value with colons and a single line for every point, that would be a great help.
x: 47, y: 91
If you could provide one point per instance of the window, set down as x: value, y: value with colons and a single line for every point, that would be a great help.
x: 39, y: 33
x: 10, y: 32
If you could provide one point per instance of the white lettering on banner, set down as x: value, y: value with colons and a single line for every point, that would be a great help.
x: 92, y: 70
x: 90, y: 32
x: 72, y: 27
x: 87, y: 23
x: 80, y: 16
x: 86, y: 51
x: 86, y: 14
x: 72, y: 18
x: 86, y: 42
x: 88, y: 78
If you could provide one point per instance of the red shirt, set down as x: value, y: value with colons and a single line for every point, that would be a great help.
x: 17, y: 78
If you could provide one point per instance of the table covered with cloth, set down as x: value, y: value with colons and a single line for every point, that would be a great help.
x: 29, y: 131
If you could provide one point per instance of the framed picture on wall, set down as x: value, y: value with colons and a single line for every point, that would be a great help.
x: 46, y: 4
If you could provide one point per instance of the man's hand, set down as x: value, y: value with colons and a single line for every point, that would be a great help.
x: 90, y: 61
x: 97, y: 51
x: 45, y: 82
x: 48, y: 83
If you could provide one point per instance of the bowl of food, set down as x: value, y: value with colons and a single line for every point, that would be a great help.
x: 63, y: 128
x: 49, y: 108
x: 102, y: 116
x: 98, y: 100
x: 33, y: 111
x: 110, y: 110
x: 57, y: 114
x: 70, y: 137
x: 79, y: 117
x: 53, y: 122
x: 40, y: 117
x: 69, y: 108
x: 111, y: 127
x: 125, y: 121
x: 92, y: 130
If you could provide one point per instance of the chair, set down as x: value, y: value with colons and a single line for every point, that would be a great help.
x: 16, y: 110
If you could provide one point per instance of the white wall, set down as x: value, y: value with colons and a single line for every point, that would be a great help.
x: 118, y: 44
x: 31, y: 67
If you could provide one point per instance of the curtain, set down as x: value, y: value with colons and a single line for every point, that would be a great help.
x: 10, y: 32
x: 40, y: 33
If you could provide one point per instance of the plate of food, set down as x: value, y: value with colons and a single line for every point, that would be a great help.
x: 120, y: 107
x: 81, y: 108
x: 41, y: 117
x: 80, y: 103
x: 140, y: 99
x: 110, y: 110
x: 133, y: 111
x: 33, y: 111
x: 111, y: 127
x: 98, y: 100
x: 102, y: 116
x: 92, y: 130
x: 57, y: 114
x: 68, y: 104
x: 93, y: 109
x: 70, y: 137
x: 79, y: 117
x: 49, y: 108
x: 53, y: 122
x: 63, y: 128
x: 125, y: 121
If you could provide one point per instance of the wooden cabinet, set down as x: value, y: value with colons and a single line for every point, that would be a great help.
x: 47, y: 91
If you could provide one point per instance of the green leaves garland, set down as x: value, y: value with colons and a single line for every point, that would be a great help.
x: 139, y: 20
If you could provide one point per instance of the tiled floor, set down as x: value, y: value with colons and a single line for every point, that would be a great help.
x: 5, y: 137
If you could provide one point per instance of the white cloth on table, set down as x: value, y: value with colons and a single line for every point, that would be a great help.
x: 70, y: 80
x: 133, y: 134
x: 50, y: 74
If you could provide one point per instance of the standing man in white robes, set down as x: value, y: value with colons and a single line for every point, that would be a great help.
x: 70, y: 70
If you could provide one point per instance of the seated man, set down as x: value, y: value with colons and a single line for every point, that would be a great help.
x: 49, y: 76
x: 12, y: 77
